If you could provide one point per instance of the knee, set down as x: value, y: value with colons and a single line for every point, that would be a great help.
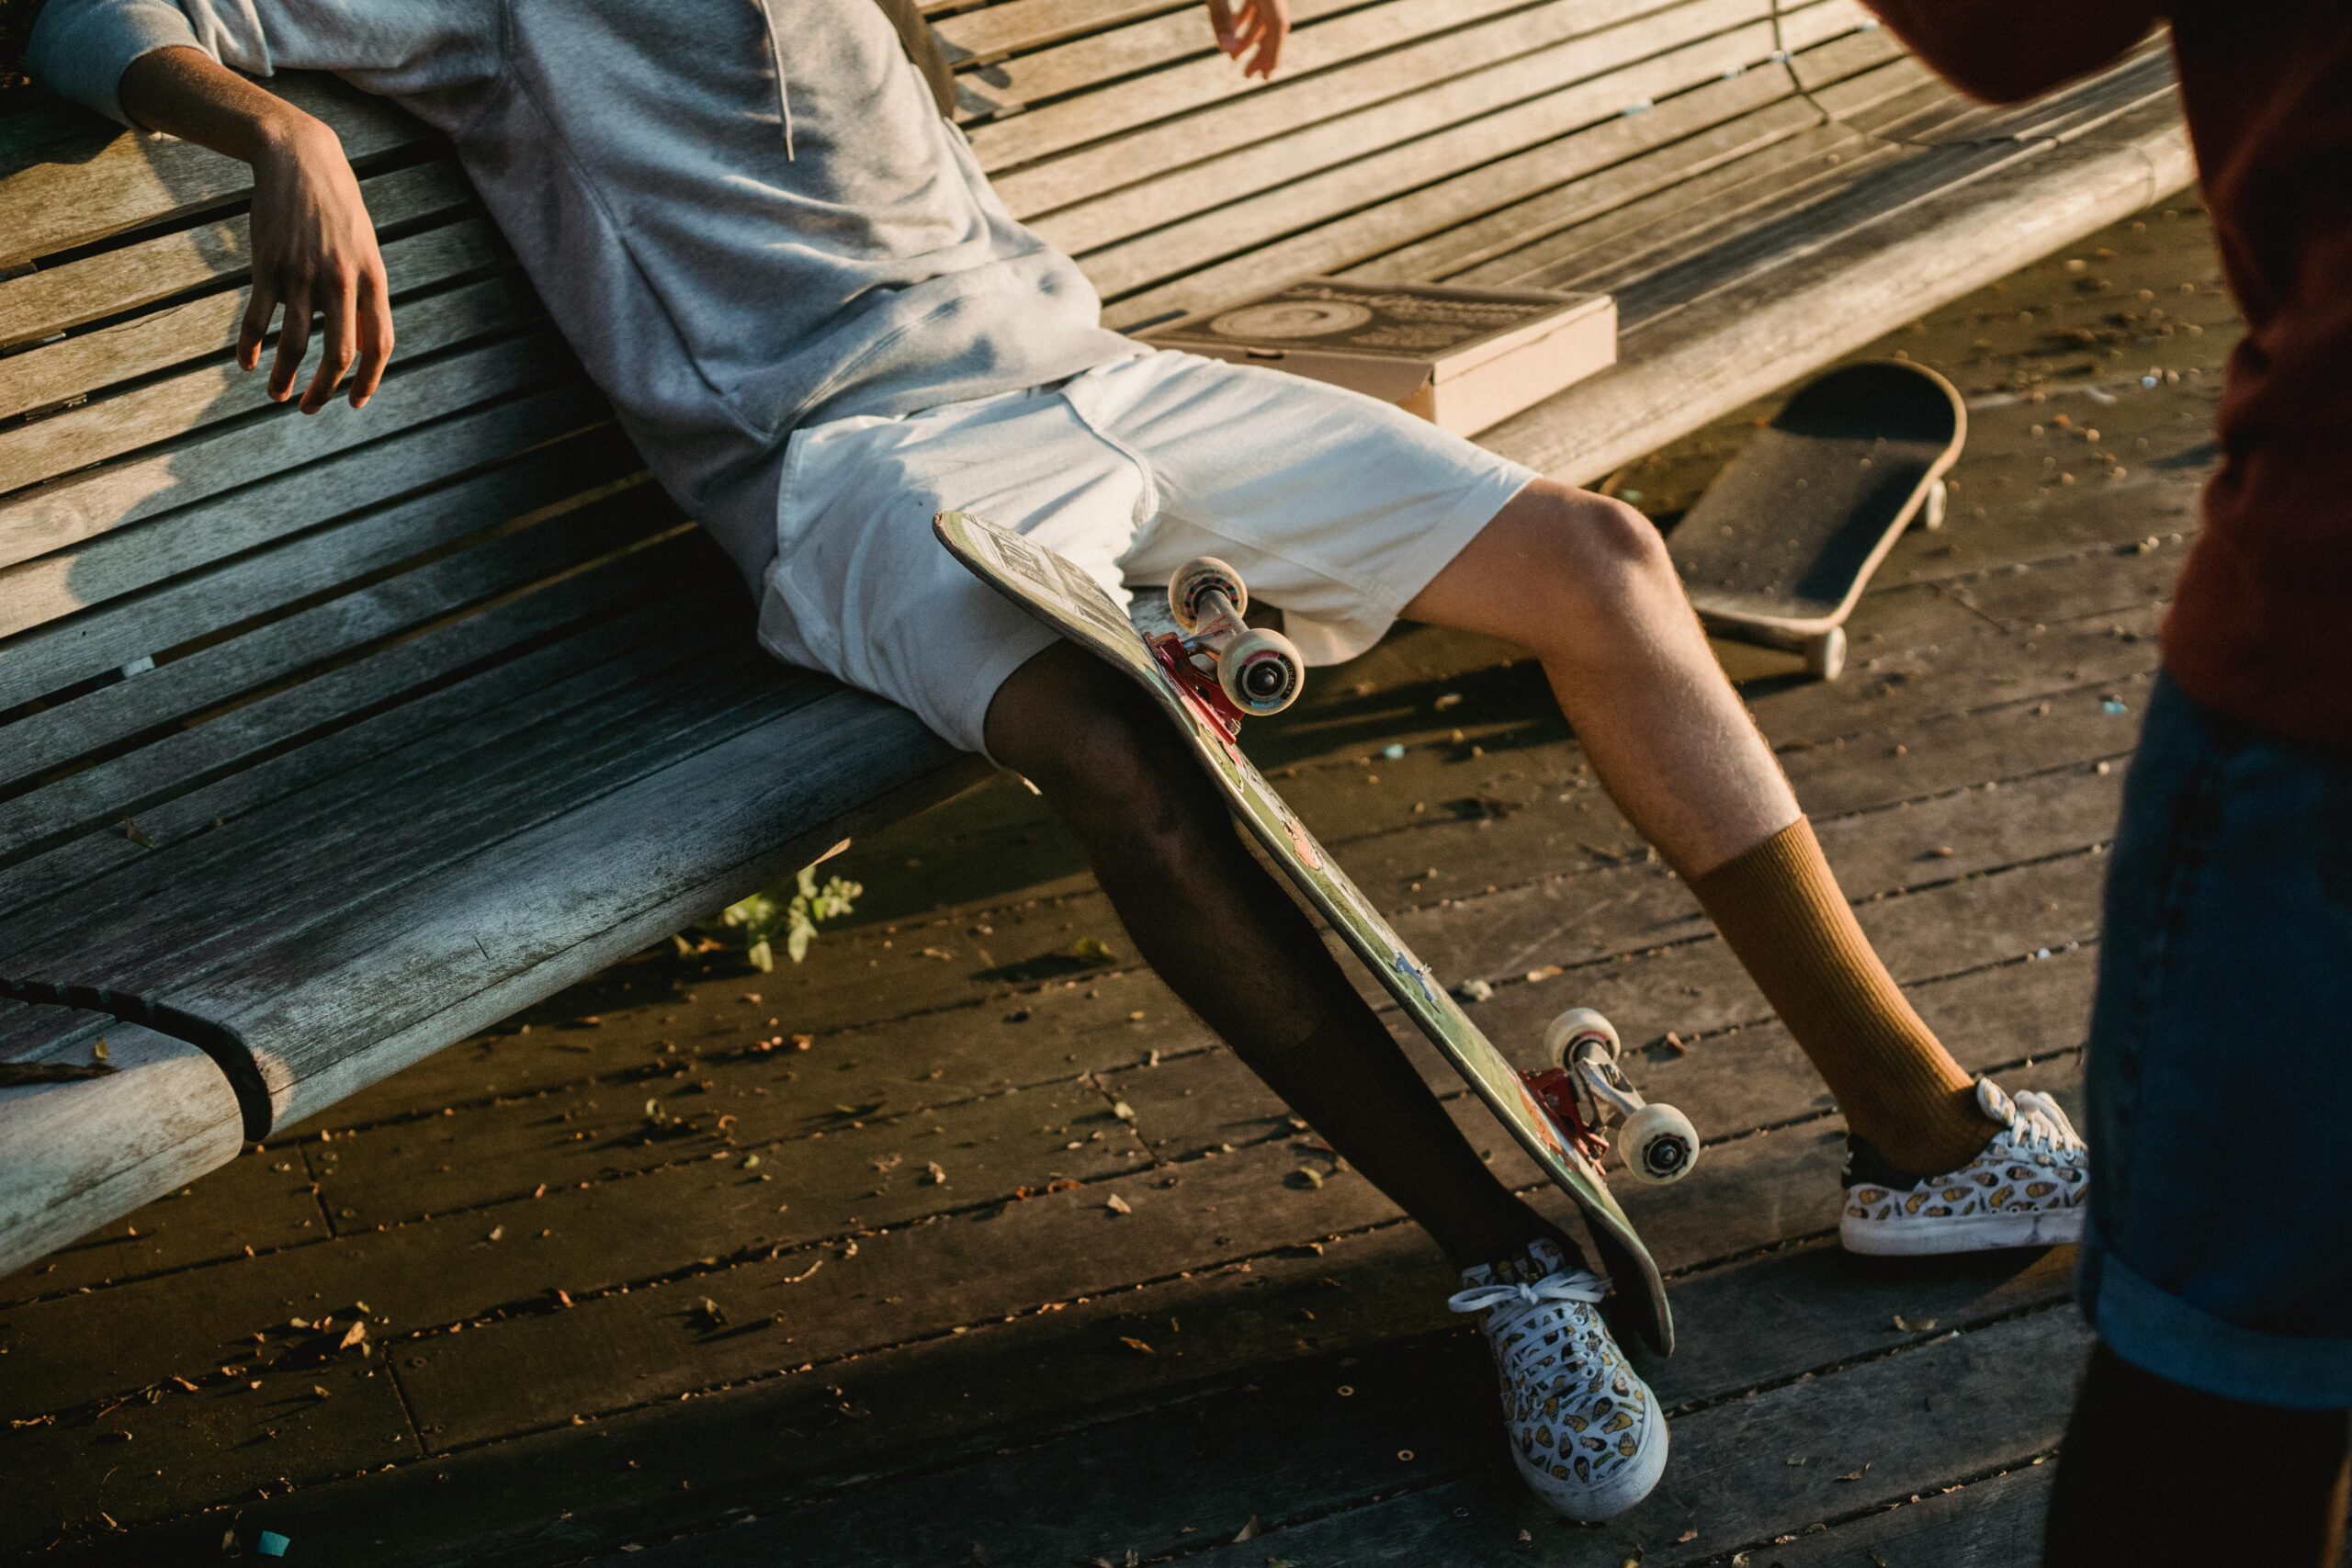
x: 1597, y: 539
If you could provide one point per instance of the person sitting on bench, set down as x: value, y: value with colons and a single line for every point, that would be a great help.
x: 820, y: 326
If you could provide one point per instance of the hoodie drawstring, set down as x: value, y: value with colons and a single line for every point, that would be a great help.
x: 775, y: 49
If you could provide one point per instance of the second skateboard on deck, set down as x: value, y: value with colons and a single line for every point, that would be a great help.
x: 1782, y: 543
x: 1206, y: 676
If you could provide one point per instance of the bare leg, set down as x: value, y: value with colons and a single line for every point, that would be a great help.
x: 2156, y: 1474
x: 1585, y: 583
x: 1230, y: 941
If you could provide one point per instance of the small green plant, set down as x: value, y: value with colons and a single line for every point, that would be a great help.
x: 763, y: 916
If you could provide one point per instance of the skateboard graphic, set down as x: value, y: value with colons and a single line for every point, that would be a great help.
x: 1781, y: 544
x: 1558, y: 1115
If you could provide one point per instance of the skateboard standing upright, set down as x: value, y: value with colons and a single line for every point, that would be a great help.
x: 1206, y: 676
x: 1780, y: 546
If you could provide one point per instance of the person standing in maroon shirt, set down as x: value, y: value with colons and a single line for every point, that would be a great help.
x: 2216, y: 1266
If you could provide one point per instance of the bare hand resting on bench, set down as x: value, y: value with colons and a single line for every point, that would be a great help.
x: 313, y: 245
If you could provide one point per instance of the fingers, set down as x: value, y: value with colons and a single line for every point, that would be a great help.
x: 1221, y: 19
x: 293, y: 340
x: 375, y: 338
x: 259, y: 308
x: 1272, y: 17
x: 338, y: 306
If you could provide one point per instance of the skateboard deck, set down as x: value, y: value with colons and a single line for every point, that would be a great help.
x: 1780, y: 546
x: 1059, y: 592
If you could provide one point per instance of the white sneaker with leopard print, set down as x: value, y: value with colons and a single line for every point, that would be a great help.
x: 2026, y: 1188
x: 1585, y: 1429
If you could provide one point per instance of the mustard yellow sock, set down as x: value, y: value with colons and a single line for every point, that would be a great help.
x: 1778, y: 907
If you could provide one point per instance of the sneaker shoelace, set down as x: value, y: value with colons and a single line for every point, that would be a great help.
x: 2041, y: 1123
x: 1563, y: 1287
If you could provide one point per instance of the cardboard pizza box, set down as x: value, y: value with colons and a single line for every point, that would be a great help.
x: 1464, y: 358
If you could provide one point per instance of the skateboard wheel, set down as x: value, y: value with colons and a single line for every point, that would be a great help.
x: 1197, y: 577
x: 1659, y: 1144
x: 1825, y: 655
x: 1931, y: 515
x: 1260, y: 672
x: 1572, y: 1028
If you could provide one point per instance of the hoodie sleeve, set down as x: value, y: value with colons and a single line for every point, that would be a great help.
x: 2004, y: 50
x: 79, y: 49
x: 432, y: 54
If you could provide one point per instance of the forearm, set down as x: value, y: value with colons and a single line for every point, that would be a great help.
x: 2003, y: 50
x: 187, y: 93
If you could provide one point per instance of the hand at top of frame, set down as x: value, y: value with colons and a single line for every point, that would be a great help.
x: 314, y: 253
x: 1252, y: 27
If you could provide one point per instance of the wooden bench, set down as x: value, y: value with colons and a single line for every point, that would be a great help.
x: 332, y: 741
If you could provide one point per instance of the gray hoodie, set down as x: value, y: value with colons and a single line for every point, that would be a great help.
x: 746, y: 215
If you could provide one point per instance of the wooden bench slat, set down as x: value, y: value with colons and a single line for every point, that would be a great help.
x: 200, y: 604
x: 1838, y: 211
x: 1094, y: 195
x: 492, y: 673
x: 207, y: 900
x: 1003, y: 145
x: 1526, y: 56
x: 36, y: 522
x: 973, y: 36
x: 98, y: 799
x: 132, y: 276
x: 457, y: 951
x: 339, y: 627
x: 1850, y: 99
x: 72, y: 179
x: 77, y: 1154
x: 1399, y: 221
x: 1622, y: 239
x: 1682, y: 366
x: 1464, y: 252
x: 184, y: 404
x: 1083, y: 66
x: 82, y: 365
x: 1371, y: 183
x: 1816, y: 68
x: 72, y: 580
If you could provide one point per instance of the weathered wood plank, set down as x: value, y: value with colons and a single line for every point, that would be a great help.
x: 77, y: 1154
x: 676, y: 847
x: 133, y: 276
x: 223, y: 670
x: 85, y: 363
x: 1715, y: 355
x: 1082, y: 68
x: 72, y: 178
x: 106, y: 793
x: 181, y: 545
x: 577, y: 641
x: 183, y: 405
x: 1272, y: 138
x: 1616, y: 240
x: 1354, y: 212
x: 81, y: 506
x: 262, y: 1201
x: 1205, y: 78
x: 1695, y: 162
x: 216, y: 895
x: 294, y: 1420
x: 975, y: 37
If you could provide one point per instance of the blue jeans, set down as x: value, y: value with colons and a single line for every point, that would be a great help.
x: 2219, y: 1248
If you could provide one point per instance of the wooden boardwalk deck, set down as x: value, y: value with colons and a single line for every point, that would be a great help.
x: 695, y: 1264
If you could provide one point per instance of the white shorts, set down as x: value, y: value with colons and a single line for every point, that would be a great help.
x: 1335, y: 507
